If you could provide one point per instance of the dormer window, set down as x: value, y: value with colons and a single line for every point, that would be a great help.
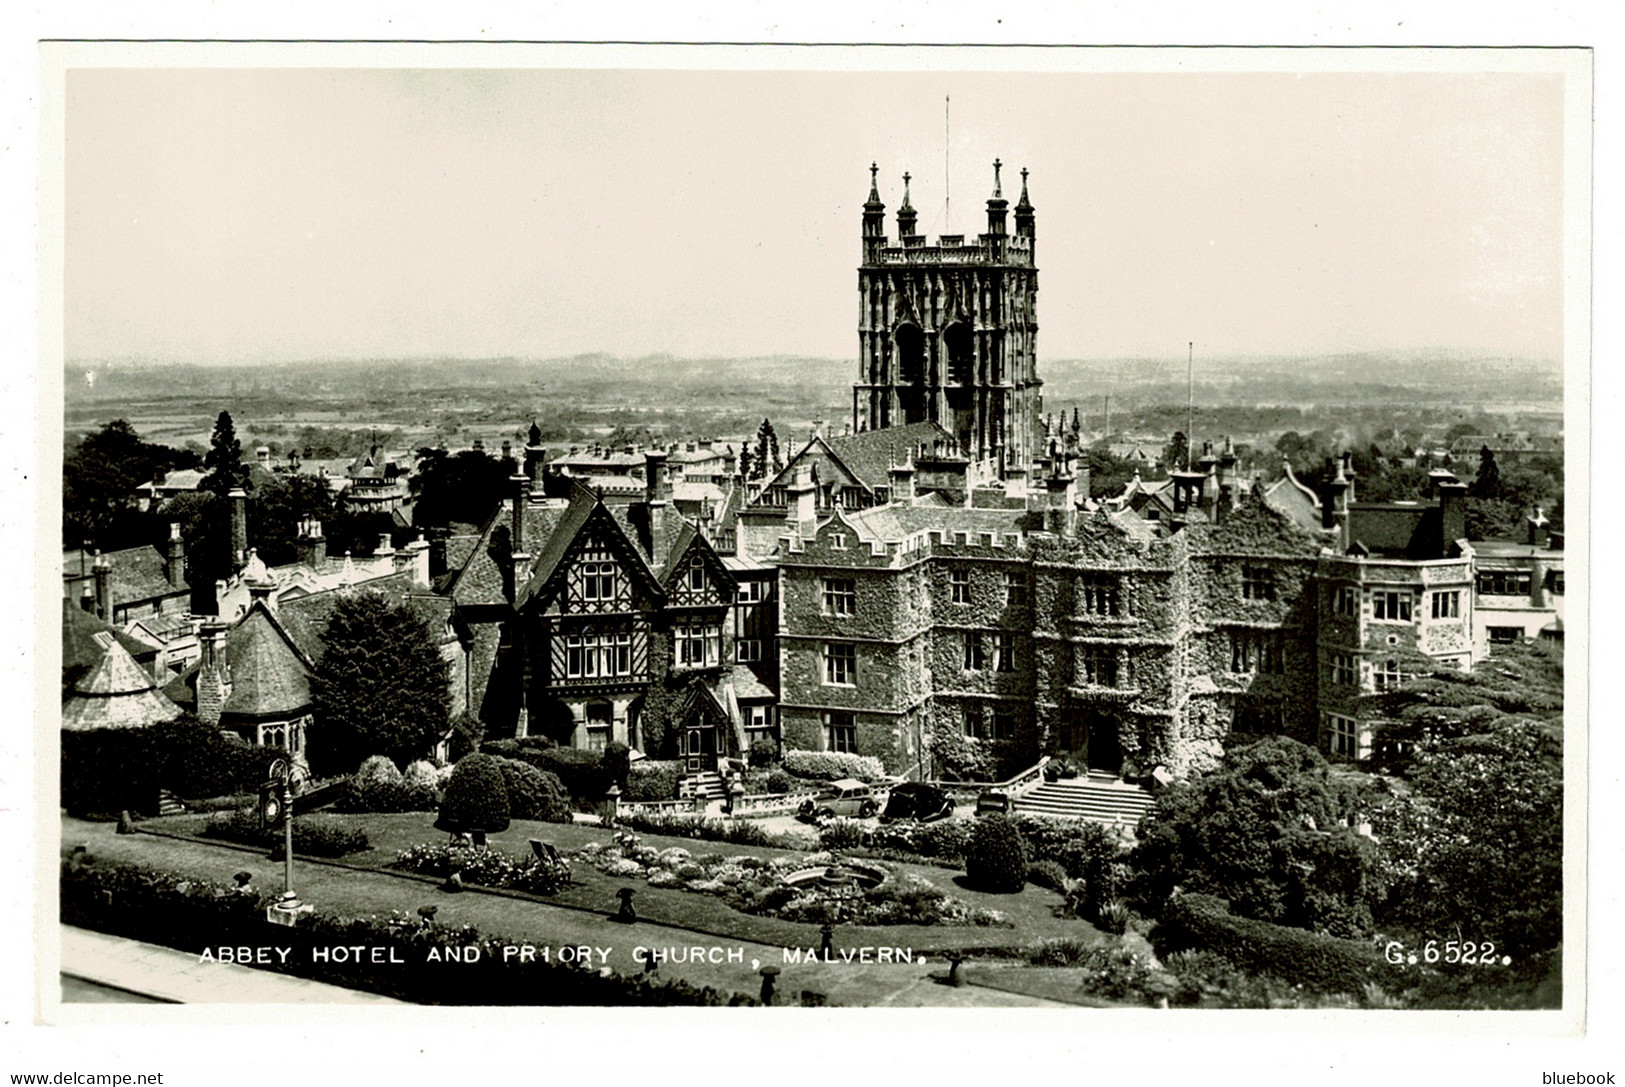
x: 837, y: 541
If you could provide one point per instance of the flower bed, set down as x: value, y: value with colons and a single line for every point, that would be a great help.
x: 706, y: 828
x: 769, y: 888
x: 486, y: 867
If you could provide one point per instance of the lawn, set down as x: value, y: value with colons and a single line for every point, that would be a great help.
x: 1033, y: 913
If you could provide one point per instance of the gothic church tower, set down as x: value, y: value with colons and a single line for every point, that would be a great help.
x: 947, y: 332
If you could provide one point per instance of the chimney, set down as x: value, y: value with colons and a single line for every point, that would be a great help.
x: 1227, y: 479
x: 1334, y: 496
x: 902, y: 483
x: 801, y: 512
x: 1452, y: 514
x: 102, y: 570
x: 385, y: 548
x: 1347, y: 470
x: 262, y: 455
x: 416, y: 559
x: 213, y: 677
x: 1538, y: 525
x: 437, y: 551
x: 87, y: 598
x: 310, y: 547
x: 534, y: 454
x: 174, y: 556
x: 656, y: 494
x: 1061, y: 515
x: 257, y: 580
x: 521, y: 499
x: 239, y: 527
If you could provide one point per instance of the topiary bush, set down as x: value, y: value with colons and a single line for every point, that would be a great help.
x: 780, y: 782
x: 421, y: 775
x: 831, y: 765
x: 476, y: 798
x: 995, y: 858
x: 652, y: 780
x: 764, y: 751
x: 377, y: 769
x: 1047, y: 873
x: 533, y: 793
x: 945, y: 839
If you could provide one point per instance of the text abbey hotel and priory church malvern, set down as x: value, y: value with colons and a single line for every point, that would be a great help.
x: 938, y: 567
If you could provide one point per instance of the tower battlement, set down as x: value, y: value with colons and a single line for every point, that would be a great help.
x: 947, y: 332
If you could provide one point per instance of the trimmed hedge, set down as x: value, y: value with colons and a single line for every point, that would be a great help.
x: 779, y: 782
x: 1298, y: 955
x: 476, y: 799
x: 831, y: 765
x: 192, y: 914
x: 314, y: 835
x: 995, y: 858
x: 106, y: 771
x: 652, y: 780
x: 533, y: 793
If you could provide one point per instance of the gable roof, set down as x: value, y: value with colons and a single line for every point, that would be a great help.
x: 116, y: 693
x: 137, y: 573
x: 584, y: 511
x: 870, y: 454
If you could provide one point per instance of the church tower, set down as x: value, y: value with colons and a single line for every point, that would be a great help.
x: 947, y: 332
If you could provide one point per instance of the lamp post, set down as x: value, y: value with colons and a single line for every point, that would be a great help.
x: 287, y: 909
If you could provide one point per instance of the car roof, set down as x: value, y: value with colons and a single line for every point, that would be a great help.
x: 910, y: 787
x: 848, y: 783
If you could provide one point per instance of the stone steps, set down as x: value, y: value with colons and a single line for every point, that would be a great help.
x: 1102, y: 799
x: 707, y: 785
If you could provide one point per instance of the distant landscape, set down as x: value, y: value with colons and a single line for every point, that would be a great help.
x: 595, y: 397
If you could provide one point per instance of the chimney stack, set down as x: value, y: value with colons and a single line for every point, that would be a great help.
x: 902, y: 483
x: 534, y: 454
x: 1062, y: 515
x: 174, y: 556
x: 87, y: 598
x: 310, y: 547
x: 438, y: 561
x: 1538, y: 525
x: 801, y: 512
x: 1452, y: 514
x: 656, y: 494
x: 521, y: 499
x: 239, y: 527
x: 416, y: 559
x: 213, y: 678
x: 102, y: 570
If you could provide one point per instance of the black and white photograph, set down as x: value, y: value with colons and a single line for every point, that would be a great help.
x: 1101, y: 532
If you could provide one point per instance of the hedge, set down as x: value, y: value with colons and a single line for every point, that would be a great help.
x: 476, y: 799
x: 192, y: 914
x: 533, y: 793
x: 1298, y: 955
x: 106, y: 771
x: 831, y: 765
x: 313, y: 835
x: 652, y: 779
x: 996, y: 857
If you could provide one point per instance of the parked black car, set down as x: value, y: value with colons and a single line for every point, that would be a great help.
x: 919, y: 801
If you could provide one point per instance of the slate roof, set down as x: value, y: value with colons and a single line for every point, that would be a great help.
x: 270, y: 676
x: 746, y: 685
x: 305, y: 618
x: 897, y: 522
x: 116, y: 693
x: 479, y: 580
x: 870, y: 454
x: 80, y: 649
x: 1293, y: 499
x: 138, y: 573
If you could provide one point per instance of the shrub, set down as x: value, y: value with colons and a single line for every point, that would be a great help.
x: 533, y: 793
x: 945, y: 839
x: 421, y: 775
x: 732, y: 831
x: 467, y: 732
x: 831, y: 765
x: 108, y: 770
x: 1112, y: 917
x: 652, y: 780
x: 995, y: 859
x: 842, y: 834
x: 476, y: 799
x: 486, y: 867
x: 616, y: 762
x: 764, y: 751
x: 377, y: 769
x: 779, y: 782
x: 315, y: 835
x: 582, y: 772
x: 1047, y: 873
x: 1322, y: 962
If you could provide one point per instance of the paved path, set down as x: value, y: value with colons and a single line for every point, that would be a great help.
x: 178, y: 978
x: 345, y: 890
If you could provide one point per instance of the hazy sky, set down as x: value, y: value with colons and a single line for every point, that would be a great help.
x: 233, y: 215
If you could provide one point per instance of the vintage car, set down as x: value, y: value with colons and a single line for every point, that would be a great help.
x: 846, y: 796
x: 918, y: 801
x: 993, y: 802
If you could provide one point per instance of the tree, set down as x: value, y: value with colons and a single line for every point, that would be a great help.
x: 476, y: 800
x: 279, y: 508
x: 1488, y: 482
x: 1269, y: 831
x: 1176, y: 454
x: 223, y: 464
x: 767, y: 462
x: 1108, y: 473
x: 466, y: 487
x: 380, y: 687
x: 99, y: 478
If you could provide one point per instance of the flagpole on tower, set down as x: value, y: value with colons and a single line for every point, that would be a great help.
x: 1190, y: 400
x: 947, y: 152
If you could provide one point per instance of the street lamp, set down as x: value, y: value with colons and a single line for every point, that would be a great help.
x: 287, y: 909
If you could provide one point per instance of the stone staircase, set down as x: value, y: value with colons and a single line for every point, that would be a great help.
x: 169, y: 804
x: 706, y: 784
x: 1100, y: 797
